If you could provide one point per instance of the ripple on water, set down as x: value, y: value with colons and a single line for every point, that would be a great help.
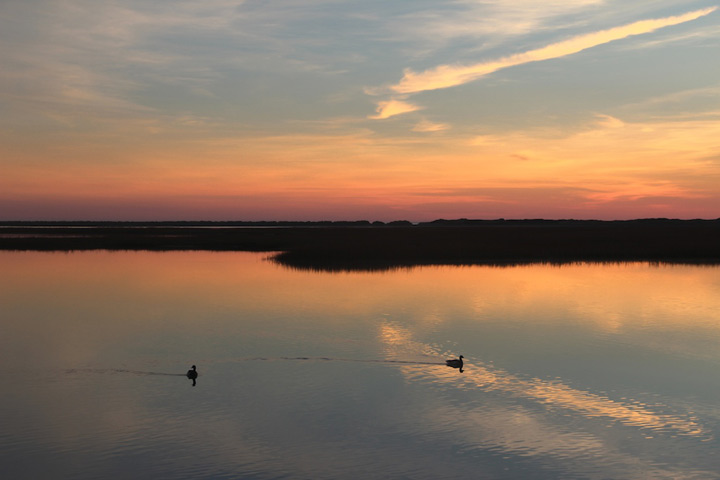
x: 555, y: 424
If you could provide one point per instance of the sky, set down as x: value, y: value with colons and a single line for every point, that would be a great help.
x: 370, y: 110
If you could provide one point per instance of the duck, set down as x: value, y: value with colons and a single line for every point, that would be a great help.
x: 455, y: 362
x: 192, y: 373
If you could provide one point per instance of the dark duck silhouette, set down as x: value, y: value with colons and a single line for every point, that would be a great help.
x: 192, y: 374
x: 455, y: 363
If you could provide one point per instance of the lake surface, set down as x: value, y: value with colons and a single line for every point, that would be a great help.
x: 571, y: 372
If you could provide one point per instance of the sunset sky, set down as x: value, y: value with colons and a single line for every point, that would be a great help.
x: 377, y: 110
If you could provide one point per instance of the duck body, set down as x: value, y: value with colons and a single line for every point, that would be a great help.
x: 192, y: 373
x: 455, y: 362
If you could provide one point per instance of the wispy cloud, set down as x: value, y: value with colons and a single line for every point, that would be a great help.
x: 445, y: 76
x: 609, y: 121
x: 698, y: 103
x: 428, y: 126
x: 488, y: 22
x: 390, y: 108
x: 451, y: 75
x: 79, y: 60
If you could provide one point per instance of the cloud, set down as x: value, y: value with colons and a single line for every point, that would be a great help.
x: 429, y: 29
x: 428, y: 126
x: 609, y: 121
x: 451, y: 75
x: 698, y: 103
x: 445, y: 76
x: 392, y: 107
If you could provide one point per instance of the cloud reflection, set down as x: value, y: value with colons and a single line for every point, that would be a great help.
x: 503, y: 423
x: 554, y: 394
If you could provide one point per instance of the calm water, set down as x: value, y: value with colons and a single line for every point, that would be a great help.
x: 586, y: 371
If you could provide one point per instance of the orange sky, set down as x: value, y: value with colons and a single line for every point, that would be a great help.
x: 244, y: 111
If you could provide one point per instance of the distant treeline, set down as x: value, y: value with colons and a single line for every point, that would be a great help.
x: 375, y: 246
x: 202, y: 223
x: 331, y: 223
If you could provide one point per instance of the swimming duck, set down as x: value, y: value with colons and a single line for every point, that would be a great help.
x: 192, y: 373
x: 455, y: 363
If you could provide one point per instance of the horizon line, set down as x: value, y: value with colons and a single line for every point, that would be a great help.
x: 461, y: 219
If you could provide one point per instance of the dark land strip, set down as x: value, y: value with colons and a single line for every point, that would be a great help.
x: 338, y: 246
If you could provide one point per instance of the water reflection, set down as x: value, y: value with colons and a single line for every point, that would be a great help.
x: 580, y: 371
x: 553, y: 393
x: 519, y: 428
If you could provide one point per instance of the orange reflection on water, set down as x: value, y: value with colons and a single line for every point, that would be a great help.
x: 552, y: 393
x: 149, y: 291
x: 667, y: 296
x: 65, y: 310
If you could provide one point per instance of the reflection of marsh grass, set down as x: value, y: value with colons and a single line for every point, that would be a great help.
x: 365, y: 247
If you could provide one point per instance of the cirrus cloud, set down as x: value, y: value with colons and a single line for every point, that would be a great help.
x: 392, y: 107
x: 451, y: 75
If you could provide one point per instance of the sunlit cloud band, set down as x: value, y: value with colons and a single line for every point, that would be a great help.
x: 446, y: 76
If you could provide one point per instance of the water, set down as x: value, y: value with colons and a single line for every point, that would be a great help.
x: 572, y: 372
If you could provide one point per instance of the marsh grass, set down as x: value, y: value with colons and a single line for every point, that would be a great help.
x: 362, y: 246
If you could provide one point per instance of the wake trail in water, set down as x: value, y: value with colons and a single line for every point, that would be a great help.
x: 121, y: 370
x: 247, y: 359
x: 333, y: 359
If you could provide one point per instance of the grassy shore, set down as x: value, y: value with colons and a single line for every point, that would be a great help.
x: 365, y: 246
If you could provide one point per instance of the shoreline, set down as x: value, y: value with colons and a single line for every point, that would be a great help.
x: 336, y: 246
